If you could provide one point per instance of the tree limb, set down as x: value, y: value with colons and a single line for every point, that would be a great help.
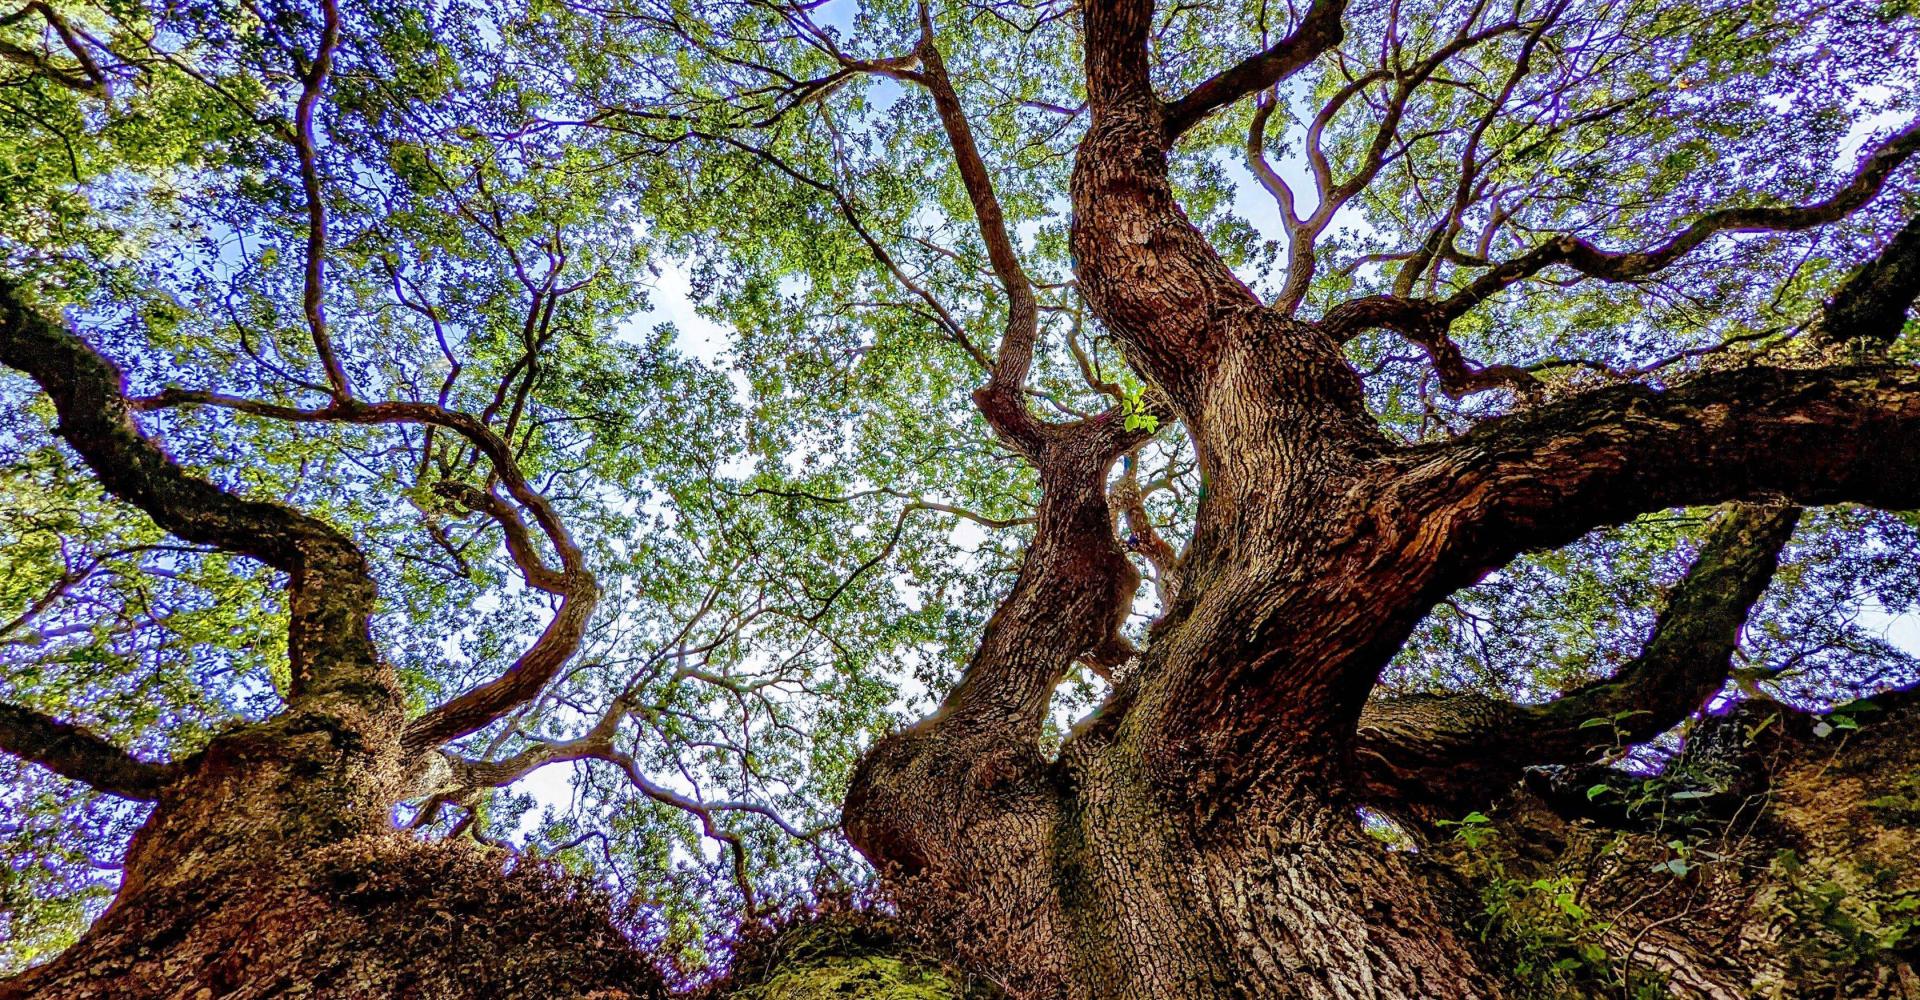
x: 1074, y: 590
x: 313, y: 80
x: 1319, y: 30
x: 88, y: 80
x: 1275, y: 687
x: 1543, y: 478
x: 331, y: 587
x: 1873, y: 304
x: 1002, y: 400
x: 1457, y: 750
x: 573, y: 582
x: 1740, y: 424
x: 1350, y: 318
x: 74, y: 752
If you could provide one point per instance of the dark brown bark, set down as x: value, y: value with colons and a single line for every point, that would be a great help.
x: 1196, y: 836
x: 1444, y: 755
x: 331, y: 655
x: 270, y: 861
x: 73, y: 752
x: 1318, y: 31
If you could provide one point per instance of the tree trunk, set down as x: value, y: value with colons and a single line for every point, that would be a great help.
x: 1075, y: 879
x: 1198, y: 837
x: 270, y: 867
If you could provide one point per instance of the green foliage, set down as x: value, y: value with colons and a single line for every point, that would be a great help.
x: 1559, y: 946
x: 743, y: 413
x: 870, y: 977
x: 839, y: 948
x: 1554, y: 620
x: 760, y: 626
x: 1853, y: 921
x: 1901, y: 806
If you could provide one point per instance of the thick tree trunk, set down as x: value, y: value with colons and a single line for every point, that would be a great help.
x: 1196, y: 838
x: 1075, y: 879
x: 270, y: 867
x: 1302, y: 904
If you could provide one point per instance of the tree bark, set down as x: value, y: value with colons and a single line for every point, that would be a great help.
x: 1197, y: 836
x: 1795, y: 846
x: 270, y: 863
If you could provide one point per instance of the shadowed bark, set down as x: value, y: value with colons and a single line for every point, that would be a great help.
x: 278, y: 821
x: 1771, y: 857
x: 1196, y: 837
x: 1453, y: 752
x: 73, y: 752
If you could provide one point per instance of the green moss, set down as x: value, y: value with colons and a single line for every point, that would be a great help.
x: 841, y: 951
x: 859, y: 978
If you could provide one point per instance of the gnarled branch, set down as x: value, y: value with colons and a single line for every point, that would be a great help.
x: 1319, y: 30
x: 1002, y: 400
x: 573, y: 581
x: 1348, y: 319
x: 332, y: 590
x: 1456, y: 750
x: 1270, y: 695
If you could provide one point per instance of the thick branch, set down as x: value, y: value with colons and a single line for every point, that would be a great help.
x: 1804, y: 434
x: 1269, y: 693
x: 1318, y: 32
x: 331, y: 588
x: 87, y: 80
x: 478, y: 707
x: 73, y: 752
x: 313, y: 81
x: 573, y: 582
x: 1454, y: 751
x: 1003, y: 399
x: 1543, y: 478
x: 1873, y: 304
x: 1272, y: 690
x: 1073, y: 592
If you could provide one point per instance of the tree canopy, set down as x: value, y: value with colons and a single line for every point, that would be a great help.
x: 702, y: 381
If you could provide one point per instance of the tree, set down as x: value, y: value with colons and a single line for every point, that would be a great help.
x: 396, y: 513
x: 1613, y: 242
x: 1196, y: 835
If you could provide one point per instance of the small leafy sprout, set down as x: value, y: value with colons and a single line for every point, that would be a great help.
x: 1843, y: 717
x: 1135, y: 408
x: 1475, y: 828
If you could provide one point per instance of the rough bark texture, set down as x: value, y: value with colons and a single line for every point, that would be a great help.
x: 373, y: 916
x: 270, y: 865
x: 1196, y: 837
x: 1796, y: 874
